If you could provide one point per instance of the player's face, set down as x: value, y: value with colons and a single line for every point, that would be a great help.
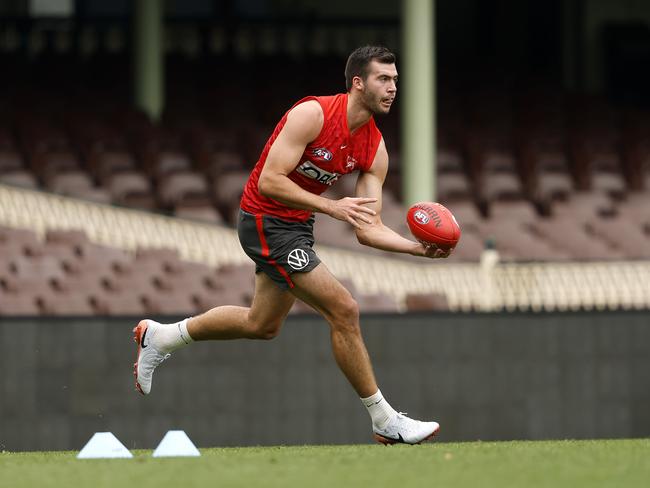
x: 380, y: 87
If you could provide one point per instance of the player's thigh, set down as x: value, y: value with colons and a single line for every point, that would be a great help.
x: 320, y: 289
x: 271, y: 304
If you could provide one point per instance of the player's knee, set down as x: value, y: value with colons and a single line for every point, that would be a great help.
x: 268, y: 334
x: 346, y: 315
x: 266, y: 331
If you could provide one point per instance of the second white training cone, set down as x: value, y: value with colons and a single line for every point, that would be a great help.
x: 176, y: 443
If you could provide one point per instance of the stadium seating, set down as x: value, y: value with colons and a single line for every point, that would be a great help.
x: 546, y: 175
x: 116, y: 266
x: 539, y: 143
x: 67, y: 275
x: 564, y: 154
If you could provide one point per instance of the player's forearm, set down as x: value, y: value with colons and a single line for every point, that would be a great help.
x: 384, y: 238
x: 284, y: 190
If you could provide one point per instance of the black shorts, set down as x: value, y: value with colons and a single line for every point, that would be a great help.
x: 278, y: 247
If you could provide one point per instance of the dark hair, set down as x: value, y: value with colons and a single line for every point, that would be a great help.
x: 361, y: 57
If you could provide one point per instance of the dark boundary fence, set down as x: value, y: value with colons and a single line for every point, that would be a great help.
x: 482, y: 376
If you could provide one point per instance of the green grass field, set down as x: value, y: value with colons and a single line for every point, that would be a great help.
x: 575, y: 464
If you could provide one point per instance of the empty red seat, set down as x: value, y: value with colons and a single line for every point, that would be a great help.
x: 516, y: 241
x: 500, y: 186
x: 203, y: 213
x: 32, y: 274
x: 108, y: 163
x: 465, y: 212
x: 227, y: 190
x: 583, y: 206
x: 425, y: 302
x: 67, y: 236
x: 62, y: 252
x: 611, y: 183
x: 97, y: 259
x: 131, y: 188
x: 224, y: 296
x: 18, y: 304
x: 469, y: 247
x: 552, y: 186
x: 623, y: 235
x: 177, y: 302
x: 163, y: 256
x: 377, y: 302
x: 183, y: 188
x: 333, y: 232
x: 453, y: 186
x: 121, y: 303
x: 17, y: 235
x: 449, y: 159
x: 569, y: 235
x: 68, y: 304
x: 197, y: 270
x: 636, y: 208
x: 89, y: 283
x: 21, y: 178
x: 69, y: 183
x: 237, y: 276
x: 517, y: 211
x: 10, y: 160
x: 140, y: 280
x: 222, y: 162
x: 55, y: 162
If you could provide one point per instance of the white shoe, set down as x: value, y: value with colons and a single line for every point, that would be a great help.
x: 402, y: 429
x: 148, y: 357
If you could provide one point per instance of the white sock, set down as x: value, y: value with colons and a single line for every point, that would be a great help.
x: 379, y: 409
x: 169, y: 337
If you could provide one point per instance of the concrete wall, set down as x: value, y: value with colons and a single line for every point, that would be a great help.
x: 513, y: 376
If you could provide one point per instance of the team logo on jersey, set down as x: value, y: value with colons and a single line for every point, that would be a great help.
x: 421, y: 217
x: 298, y: 259
x: 351, y: 163
x: 310, y: 170
x: 322, y: 153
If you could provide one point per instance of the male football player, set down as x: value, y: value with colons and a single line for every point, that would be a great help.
x: 319, y: 140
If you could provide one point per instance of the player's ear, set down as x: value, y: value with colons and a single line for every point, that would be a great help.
x: 357, y: 82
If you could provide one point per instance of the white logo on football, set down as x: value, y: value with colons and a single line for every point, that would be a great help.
x: 298, y: 259
x: 421, y: 217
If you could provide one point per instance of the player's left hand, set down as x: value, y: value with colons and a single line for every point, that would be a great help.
x: 434, y: 252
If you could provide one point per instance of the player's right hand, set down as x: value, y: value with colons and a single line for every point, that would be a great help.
x: 352, y: 210
x: 430, y: 250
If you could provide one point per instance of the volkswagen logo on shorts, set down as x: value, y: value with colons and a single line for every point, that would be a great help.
x: 298, y: 259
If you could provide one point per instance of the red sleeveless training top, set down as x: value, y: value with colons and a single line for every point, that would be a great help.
x: 333, y: 153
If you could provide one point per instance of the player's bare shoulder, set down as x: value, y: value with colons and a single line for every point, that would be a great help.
x: 306, y: 118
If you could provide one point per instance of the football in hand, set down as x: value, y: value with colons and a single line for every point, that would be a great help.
x: 432, y: 223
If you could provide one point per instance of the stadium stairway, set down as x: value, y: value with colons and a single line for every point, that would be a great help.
x: 462, y: 286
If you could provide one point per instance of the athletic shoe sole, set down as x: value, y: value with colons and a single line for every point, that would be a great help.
x: 389, y: 442
x: 138, y: 331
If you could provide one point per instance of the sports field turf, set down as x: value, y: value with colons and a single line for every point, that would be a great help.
x: 575, y: 464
